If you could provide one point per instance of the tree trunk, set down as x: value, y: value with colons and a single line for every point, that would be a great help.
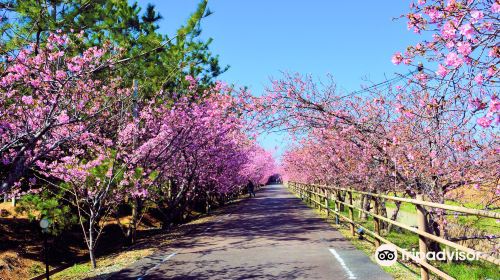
x: 132, y: 229
x: 207, y: 203
x: 91, y: 246
x: 394, y: 216
x: 443, y: 225
x: 361, y: 203
x: 222, y: 200
x: 382, y: 212
x: 16, y: 173
x: 92, y: 258
x: 176, y: 215
x: 365, y: 206
x: 341, y: 197
x: 433, y: 228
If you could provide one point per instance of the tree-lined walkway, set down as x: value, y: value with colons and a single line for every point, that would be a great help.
x: 273, y: 236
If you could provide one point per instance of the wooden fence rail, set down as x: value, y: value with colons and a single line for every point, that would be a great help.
x: 321, y: 196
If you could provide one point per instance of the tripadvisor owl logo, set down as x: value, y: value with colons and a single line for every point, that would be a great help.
x: 386, y: 255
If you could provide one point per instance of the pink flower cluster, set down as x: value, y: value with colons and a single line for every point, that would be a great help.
x: 405, y: 139
x: 465, y: 46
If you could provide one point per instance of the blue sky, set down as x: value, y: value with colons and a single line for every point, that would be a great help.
x: 352, y: 40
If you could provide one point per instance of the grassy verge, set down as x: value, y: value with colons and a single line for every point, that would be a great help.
x: 460, y: 270
x: 107, y: 265
x: 400, y: 271
x: 488, y: 225
x: 406, y: 207
x: 149, y: 244
x: 405, y: 239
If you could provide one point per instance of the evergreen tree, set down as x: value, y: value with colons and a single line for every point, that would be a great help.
x: 157, y: 61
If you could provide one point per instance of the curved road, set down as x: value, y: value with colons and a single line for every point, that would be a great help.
x: 272, y: 236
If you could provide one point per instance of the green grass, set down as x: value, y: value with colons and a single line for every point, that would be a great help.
x: 36, y: 269
x: 105, y: 265
x: 405, y: 239
x: 489, y: 225
x: 406, y: 207
x: 74, y: 271
x: 471, y: 270
x: 399, y: 271
x: 466, y: 204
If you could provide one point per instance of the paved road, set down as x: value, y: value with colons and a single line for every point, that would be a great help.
x: 272, y: 236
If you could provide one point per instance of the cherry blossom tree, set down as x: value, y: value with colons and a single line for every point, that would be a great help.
x: 67, y: 123
x: 400, y: 139
x: 430, y: 132
x: 52, y: 107
x: 462, y: 54
x: 193, y: 149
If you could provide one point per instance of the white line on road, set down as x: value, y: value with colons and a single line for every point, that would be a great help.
x: 175, y: 253
x: 342, y: 263
x: 157, y: 265
x: 169, y: 256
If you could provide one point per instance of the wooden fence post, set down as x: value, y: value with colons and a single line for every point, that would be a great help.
x: 326, y: 202
x: 424, y: 272
x: 336, y: 205
x: 318, y: 195
x: 320, y: 199
x: 337, y: 202
x: 351, y: 212
x: 376, y: 220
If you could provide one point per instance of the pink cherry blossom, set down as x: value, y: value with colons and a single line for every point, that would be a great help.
x: 479, y: 79
x: 397, y: 58
x: 448, y: 31
x: 484, y: 122
x: 494, y: 105
x: 60, y: 75
x: 476, y: 16
x: 63, y: 118
x: 478, y: 104
x: 491, y: 71
x: 464, y: 48
x: 452, y: 59
x: 495, y: 7
x: 27, y: 99
x: 434, y: 15
x: 442, y: 71
x: 467, y: 30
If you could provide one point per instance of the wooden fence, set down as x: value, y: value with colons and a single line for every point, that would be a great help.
x: 322, y: 196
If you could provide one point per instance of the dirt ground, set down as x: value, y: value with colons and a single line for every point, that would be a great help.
x: 21, y: 244
x: 483, y: 195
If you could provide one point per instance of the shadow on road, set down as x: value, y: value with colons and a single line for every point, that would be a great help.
x: 272, y: 236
